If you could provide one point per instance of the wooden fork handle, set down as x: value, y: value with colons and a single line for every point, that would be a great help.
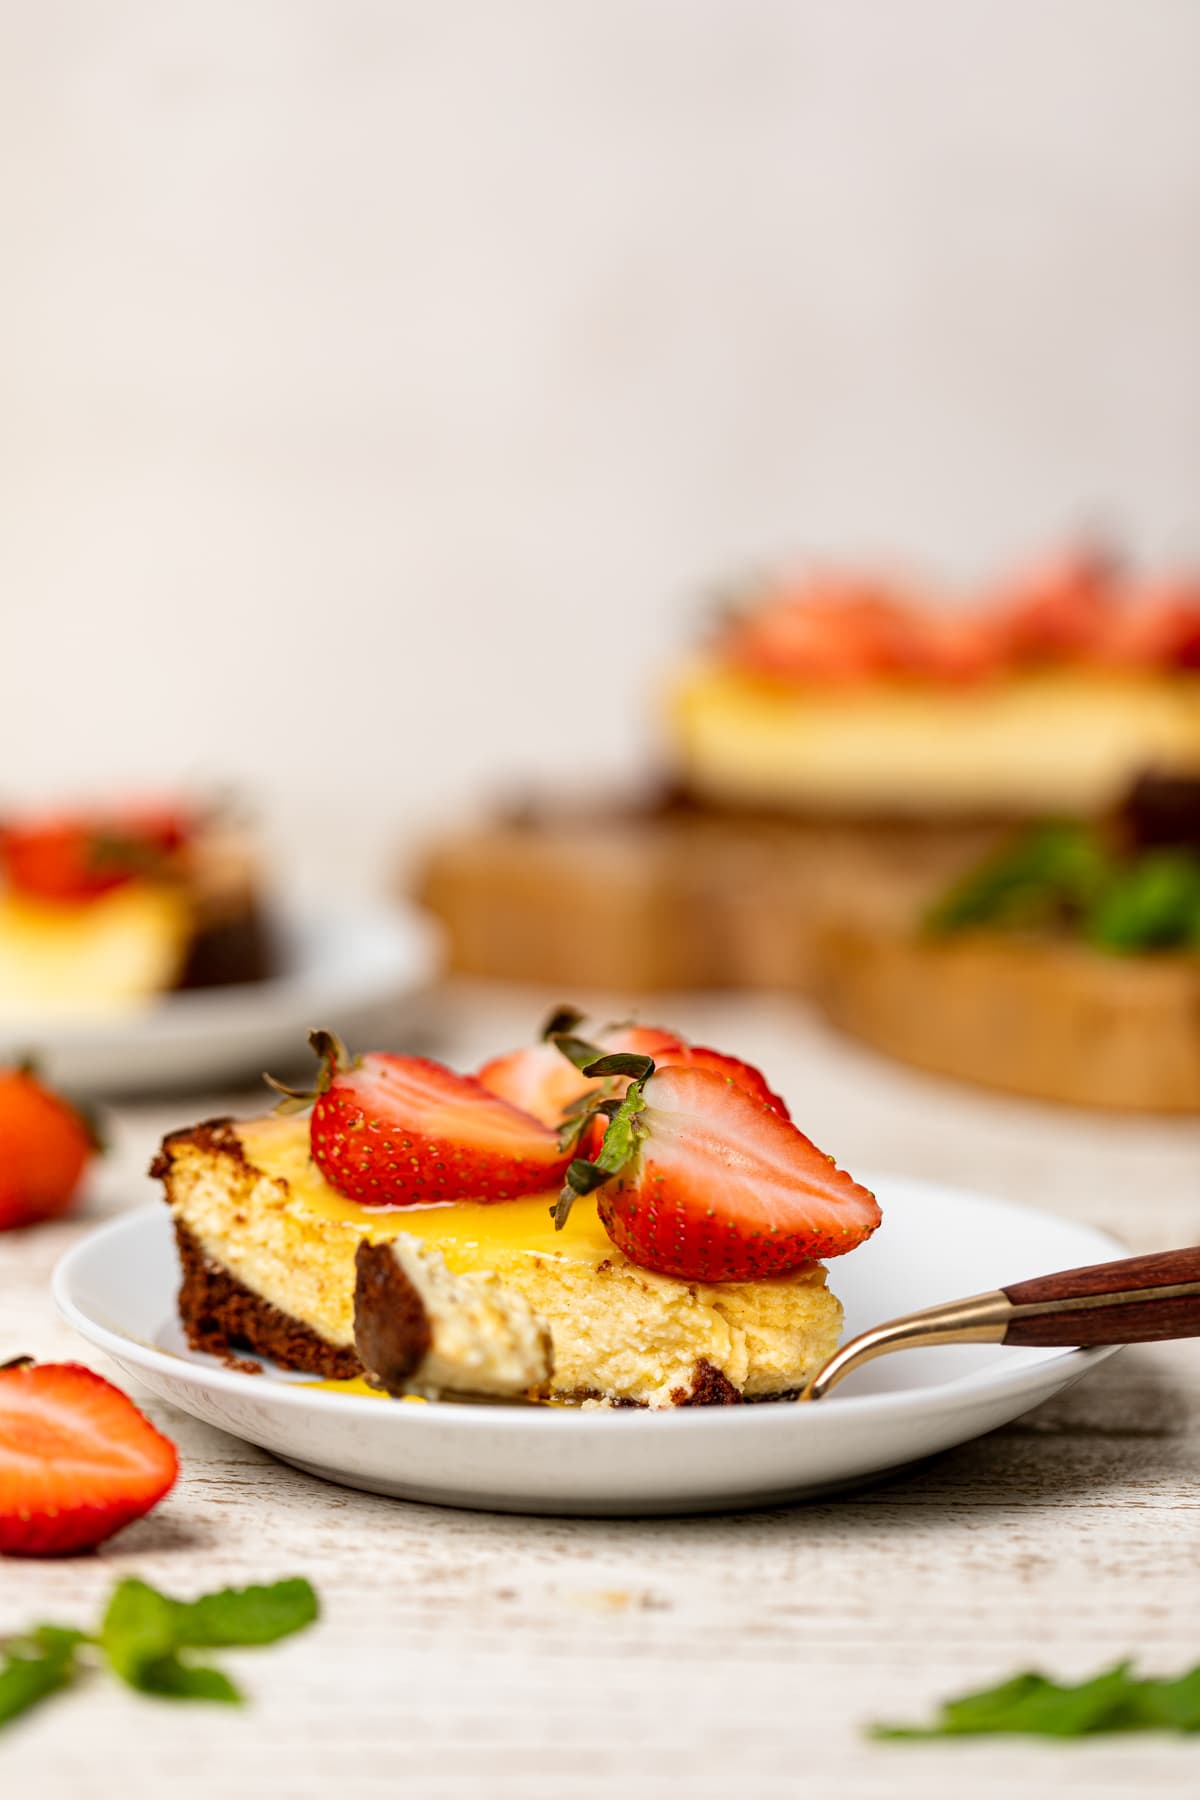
x: 1137, y: 1301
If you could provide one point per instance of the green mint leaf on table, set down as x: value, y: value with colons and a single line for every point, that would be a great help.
x: 1116, y: 1700
x: 170, y: 1678
x: 142, y: 1636
x: 35, y: 1666
x: 143, y: 1632
x: 246, y: 1616
x: 138, y: 1628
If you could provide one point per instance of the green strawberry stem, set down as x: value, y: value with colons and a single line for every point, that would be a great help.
x: 619, y: 1147
x: 334, y: 1059
x: 561, y: 1022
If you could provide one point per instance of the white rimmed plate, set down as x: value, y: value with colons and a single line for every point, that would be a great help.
x: 353, y: 964
x: 117, y: 1288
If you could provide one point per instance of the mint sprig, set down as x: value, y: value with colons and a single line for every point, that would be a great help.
x: 145, y: 1637
x: 35, y: 1666
x: 1065, y: 877
x: 1116, y: 1700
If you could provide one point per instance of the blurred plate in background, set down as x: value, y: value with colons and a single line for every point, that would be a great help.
x: 353, y: 968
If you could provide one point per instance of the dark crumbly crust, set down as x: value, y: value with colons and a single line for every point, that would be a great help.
x: 709, y: 1388
x: 222, y: 1317
x: 392, y: 1332
x: 218, y: 1136
x: 228, y: 952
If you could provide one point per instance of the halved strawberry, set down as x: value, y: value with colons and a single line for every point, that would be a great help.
x: 407, y: 1131
x: 77, y: 1460
x: 72, y: 858
x: 1061, y: 608
x: 541, y: 1078
x: 701, y: 1180
x: 730, y: 1069
x: 538, y: 1079
x: 1157, y: 628
x: 833, y: 628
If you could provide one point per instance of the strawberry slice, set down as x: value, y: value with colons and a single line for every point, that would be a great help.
x: 700, y: 1180
x: 77, y: 1460
x: 730, y: 1069
x: 1060, y: 609
x: 74, y: 858
x: 537, y: 1079
x: 542, y: 1080
x: 407, y: 1131
x: 1159, y: 627
x: 832, y: 629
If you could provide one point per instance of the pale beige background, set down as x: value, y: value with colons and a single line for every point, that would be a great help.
x: 380, y: 383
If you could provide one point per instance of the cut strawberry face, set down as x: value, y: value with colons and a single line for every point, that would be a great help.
x: 700, y: 1180
x: 542, y: 1079
x: 77, y: 1460
x: 407, y: 1131
x: 538, y: 1079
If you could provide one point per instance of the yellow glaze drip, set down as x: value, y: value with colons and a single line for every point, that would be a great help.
x: 469, y: 1233
x: 359, y: 1386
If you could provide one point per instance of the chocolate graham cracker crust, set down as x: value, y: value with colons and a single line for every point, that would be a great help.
x: 222, y: 1318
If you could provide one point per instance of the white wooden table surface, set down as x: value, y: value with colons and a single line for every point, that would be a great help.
x: 465, y: 1654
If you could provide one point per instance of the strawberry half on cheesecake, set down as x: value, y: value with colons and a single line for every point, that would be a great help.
x: 625, y: 1219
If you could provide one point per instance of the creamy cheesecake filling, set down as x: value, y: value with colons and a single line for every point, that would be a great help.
x: 1067, y: 741
x: 275, y: 1224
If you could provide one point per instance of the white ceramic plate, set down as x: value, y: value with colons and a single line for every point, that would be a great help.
x: 350, y: 964
x: 117, y: 1288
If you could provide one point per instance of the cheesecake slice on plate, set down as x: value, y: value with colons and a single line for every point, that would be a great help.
x: 646, y: 1291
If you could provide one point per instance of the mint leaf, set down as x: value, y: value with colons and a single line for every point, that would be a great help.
x: 35, y: 1666
x: 170, y: 1678
x: 138, y: 1630
x: 243, y: 1616
x: 1053, y: 874
x: 1116, y: 1700
x: 141, y: 1636
x: 143, y: 1632
x: 1152, y: 905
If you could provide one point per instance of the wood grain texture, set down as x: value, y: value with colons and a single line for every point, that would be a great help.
x: 467, y: 1655
x: 1157, y: 1318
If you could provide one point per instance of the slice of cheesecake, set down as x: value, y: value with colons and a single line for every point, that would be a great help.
x: 271, y: 1256
x: 104, y: 911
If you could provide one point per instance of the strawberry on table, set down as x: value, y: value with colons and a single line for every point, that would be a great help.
x: 699, y: 1179
x: 45, y: 1146
x: 407, y: 1131
x: 77, y: 1460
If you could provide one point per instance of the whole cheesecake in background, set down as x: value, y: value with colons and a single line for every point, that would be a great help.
x: 103, y: 909
x: 843, y: 697
x: 836, y: 735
